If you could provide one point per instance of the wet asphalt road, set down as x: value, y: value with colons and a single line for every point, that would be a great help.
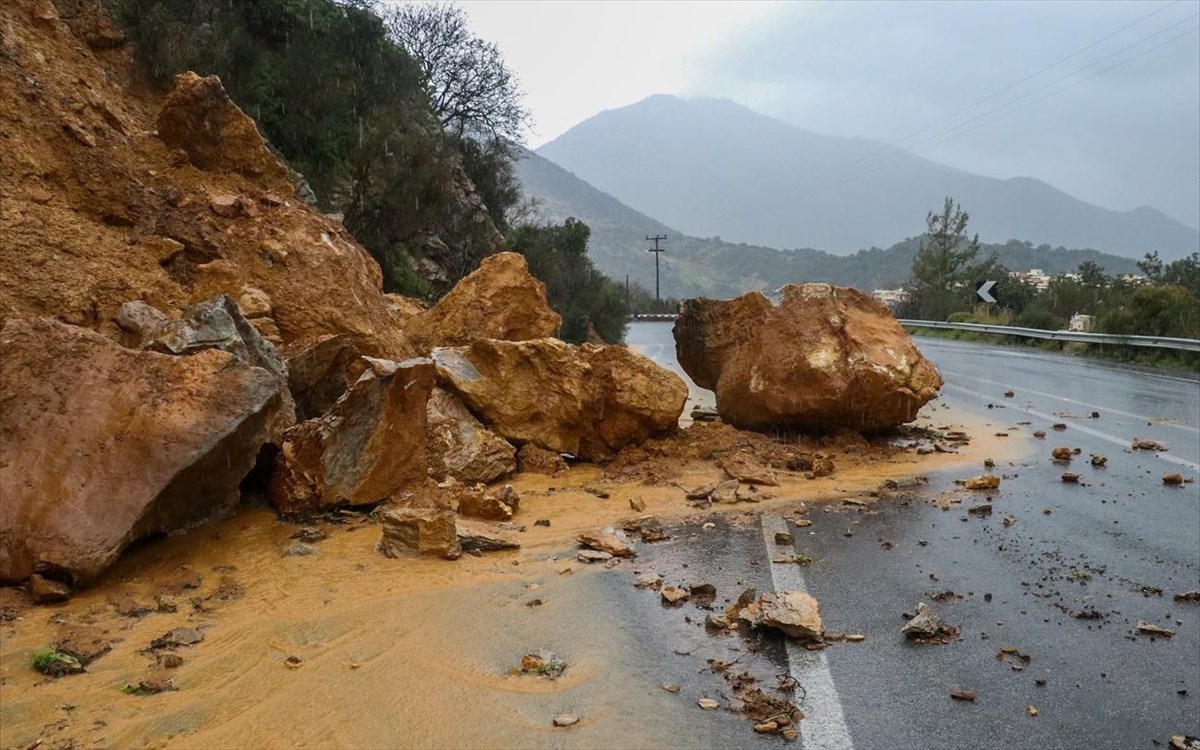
x: 1119, y: 545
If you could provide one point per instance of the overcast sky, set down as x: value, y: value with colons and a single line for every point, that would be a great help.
x: 895, y: 71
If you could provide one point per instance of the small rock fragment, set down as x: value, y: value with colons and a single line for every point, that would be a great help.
x: 637, y: 504
x: 1099, y: 459
x: 1062, y: 453
x: 606, y: 542
x: 178, y: 637
x: 963, y: 695
x: 648, y: 580
x: 593, y: 556
x: 1172, y: 480
x: 566, y: 720
x: 47, y: 590
x: 1152, y: 629
x: 1070, y: 477
x: 299, y: 549
x: 708, y: 704
x: 1188, y: 596
x: 982, y: 482
x: 984, y: 509
x: 1040, y: 434
x: 783, y: 537
x: 674, y: 594
x: 671, y: 687
x: 1031, y: 710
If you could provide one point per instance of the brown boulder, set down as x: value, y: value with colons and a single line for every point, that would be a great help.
x: 419, y: 531
x: 499, y: 300
x: 370, y: 444
x: 318, y: 374
x: 200, y: 118
x: 534, y: 460
x: 102, y: 445
x: 588, y: 401
x: 824, y: 358
x: 794, y: 613
x: 492, y: 506
x: 459, y: 446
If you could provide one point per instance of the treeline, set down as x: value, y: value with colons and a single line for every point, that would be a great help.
x: 397, y: 117
x: 947, y: 267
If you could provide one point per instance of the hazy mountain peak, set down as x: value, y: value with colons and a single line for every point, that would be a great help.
x: 712, y: 167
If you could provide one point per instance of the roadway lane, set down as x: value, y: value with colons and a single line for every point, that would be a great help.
x: 1118, y: 544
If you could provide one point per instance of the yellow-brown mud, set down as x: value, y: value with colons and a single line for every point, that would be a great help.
x: 395, y: 653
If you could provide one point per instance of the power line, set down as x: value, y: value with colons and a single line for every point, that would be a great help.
x: 953, y: 132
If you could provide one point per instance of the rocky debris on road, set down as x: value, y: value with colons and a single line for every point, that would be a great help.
x: 925, y: 626
x: 702, y: 594
x: 1039, y: 434
x: 47, y: 590
x: 534, y: 460
x: 793, y: 613
x: 708, y: 704
x: 1188, y: 596
x: 589, y: 401
x: 298, y: 549
x: 55, y: 663
x: 745, y: 468
x: 419, y: 531
x: 1032, y: 711
x: 178, y: 637
x: 1060, y: 426
x: 309, y: 535
x: 983, y: 509
x: 1173, y: 480
x: 1148, y: 445
x: 1154, y: 630
x: 1184, y: 742
x: 1069, y: 477
x: 648, y: 528
x: 1062, y: 454
x: 982, y: 482
x: 496, y: 505
x: 83, y: 479
x: 648, y: 581
x: 725, y: 492
x: 458, y: 445
x: 606, y: 541
x: 784, y: 538
x: 593, y: 556
x: 499, y: 300
x: 484, y: 537
x: 824, y: 357
x: 85, y: 644
x: 565, y: 720
x: 1098, y: 459
x: 151, y: 685
x: 369, y: 446
x: 674, y: 594
x: 542, y: 664
x: 1009, y: 394
x: 963, y: 695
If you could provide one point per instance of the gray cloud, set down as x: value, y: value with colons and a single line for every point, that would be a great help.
x: 881, y: 70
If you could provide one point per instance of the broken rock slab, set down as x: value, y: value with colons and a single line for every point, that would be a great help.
x: 588, y: 401
x: 368, y: 447
x: 459, y: 446
x: 493, y: 505
x: 430, y: 532
x: 824, y: 358
x: 101, y: 445
x: 794, y: 613
x: 606, y: 541
x: 499, y: 300
x: 746, y: 468
x: 484, y: 537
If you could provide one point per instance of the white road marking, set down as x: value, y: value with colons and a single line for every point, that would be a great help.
x: 1177, y: 426
x: 1123, y: 442
x: 824, y: 726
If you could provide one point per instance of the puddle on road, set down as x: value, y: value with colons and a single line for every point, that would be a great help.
x: 393, y: 652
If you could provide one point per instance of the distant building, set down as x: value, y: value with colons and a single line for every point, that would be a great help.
x: 893, y: 298
x: 1034, y: 276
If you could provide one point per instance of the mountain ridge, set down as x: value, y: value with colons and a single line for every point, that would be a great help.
x: 711, y: 167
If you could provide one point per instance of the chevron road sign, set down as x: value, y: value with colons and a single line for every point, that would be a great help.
x: 984, y: 291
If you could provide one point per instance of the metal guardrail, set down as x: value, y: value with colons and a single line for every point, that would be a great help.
x: 1161, y: 342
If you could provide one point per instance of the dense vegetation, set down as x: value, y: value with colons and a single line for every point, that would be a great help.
x: 405, y: 122
x: 946, y: 267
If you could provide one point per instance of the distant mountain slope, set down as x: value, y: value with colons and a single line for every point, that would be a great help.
x: 714, y: 168
x: 715, y: 268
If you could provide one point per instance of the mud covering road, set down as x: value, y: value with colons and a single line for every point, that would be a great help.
x: 1061, y: 573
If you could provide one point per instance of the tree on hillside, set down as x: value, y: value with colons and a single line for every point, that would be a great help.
x: 589, y: 302
x: 471, y: 89
x: 942, y: 269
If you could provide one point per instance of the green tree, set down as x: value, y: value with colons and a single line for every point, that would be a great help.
x: 589, y: 302
x: 942, y: 269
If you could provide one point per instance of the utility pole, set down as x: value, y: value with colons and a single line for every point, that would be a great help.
x: 656, y: 250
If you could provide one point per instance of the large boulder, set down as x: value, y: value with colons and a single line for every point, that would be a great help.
x: 318, y: 374
x: 101, y: 445
x: 199, y: 117
x: 589, y: 400
x: 824, y: 358
x: 218, y: 323
x: 459, y: 446
x: 367, y: 447
x: 499, y: 300
x: 421, y: 532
